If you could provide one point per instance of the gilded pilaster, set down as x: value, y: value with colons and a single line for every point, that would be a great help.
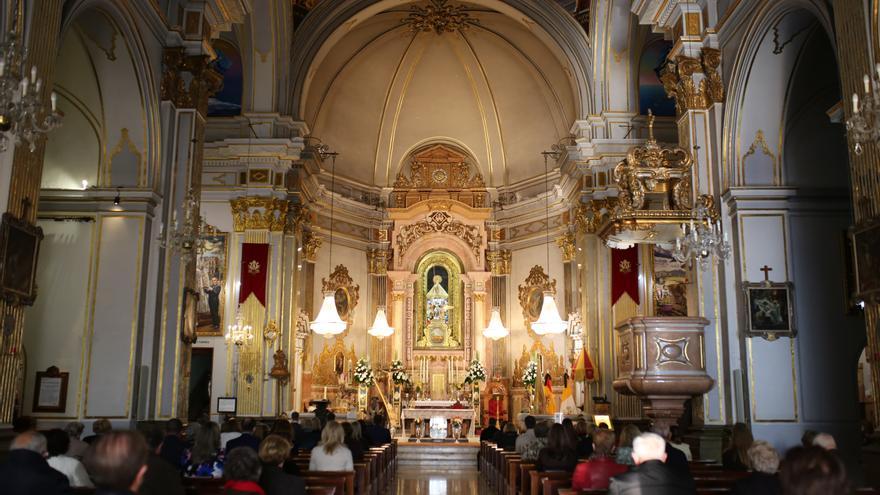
x: 855, y: 60
x: 24, y: 192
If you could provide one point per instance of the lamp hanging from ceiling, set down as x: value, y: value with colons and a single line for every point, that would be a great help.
x: 381, y: 328
x: 239, y: 333
x: 328, y: 323
x: 496, y: 329
x: 548, y: 321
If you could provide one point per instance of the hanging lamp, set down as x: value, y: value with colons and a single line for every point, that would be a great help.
x: 381, y: 328
x: 496, y: 329
x: 548, y: 321
x: 328, y: 323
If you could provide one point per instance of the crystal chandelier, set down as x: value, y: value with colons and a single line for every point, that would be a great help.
x: 381, y: 328
x: 22, y: 113
x: 701, y: 238
x: 239, y: 333
x: 328, y: 323
x: 185, y: 239
x: 496, y: 329
x: 548, y: 321
x: 864, y: 124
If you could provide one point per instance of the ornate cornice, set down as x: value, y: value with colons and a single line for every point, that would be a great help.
x: 259, y: 213
x: 440, y: 222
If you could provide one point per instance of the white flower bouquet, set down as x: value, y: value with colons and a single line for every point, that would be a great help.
x: 363, y: 373
x: 475, y: 373
x: 530, y: 374
x: 398, y: 373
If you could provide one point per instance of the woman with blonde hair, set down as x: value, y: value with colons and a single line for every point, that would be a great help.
x: 274, y: 451
x: 331, y: 454
x: 204, y: 460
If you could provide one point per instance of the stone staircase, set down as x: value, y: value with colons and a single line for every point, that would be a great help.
x: 437, y: 456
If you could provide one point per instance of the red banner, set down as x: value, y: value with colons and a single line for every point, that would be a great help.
x: 584, y: 370
x: 254, y: 269
x: 625, y: 273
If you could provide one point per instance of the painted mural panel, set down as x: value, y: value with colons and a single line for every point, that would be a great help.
x: 227, y: 101
x: 652, y: 96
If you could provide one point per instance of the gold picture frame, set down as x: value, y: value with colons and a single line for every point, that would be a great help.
x: 531, y: 296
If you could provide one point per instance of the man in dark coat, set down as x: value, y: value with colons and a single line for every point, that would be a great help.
x: 162, y: 477
x: 489, y: 432
x: 247, y: 438
x: 26, y: 471
x: 173, y: 443
x: 650, y: 475
x: 377, y: 433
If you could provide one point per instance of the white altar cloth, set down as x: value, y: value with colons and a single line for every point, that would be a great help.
x: 435, y: 404
x: 447, y: 414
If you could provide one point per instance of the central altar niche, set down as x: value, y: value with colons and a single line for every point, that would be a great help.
x: 439, y: 302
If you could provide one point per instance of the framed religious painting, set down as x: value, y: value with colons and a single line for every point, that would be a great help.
x: 769, y: 308
x: 211, y: 283
x: 19, y: 250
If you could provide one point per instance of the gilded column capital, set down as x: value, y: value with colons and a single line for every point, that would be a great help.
x: 310, y: 245
x: 694, y: 83
x: 499, y: 262
x: 297, y: 217
x: 377, y: 260
x: 190, y: 91
x: 589, y: 216
x: 259, y: 213
x: 568, y: 247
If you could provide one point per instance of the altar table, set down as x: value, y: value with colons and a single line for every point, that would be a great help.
x: 425, y: 414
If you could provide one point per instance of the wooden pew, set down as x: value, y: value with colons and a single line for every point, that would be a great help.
x: 345, y: 477
x: 524, y: 469
x: 320, y: 490
x: 536, y: 477
x: 551, y: 486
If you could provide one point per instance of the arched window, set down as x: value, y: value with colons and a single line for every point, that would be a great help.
x: 227, y: 101
x: 651, y: 93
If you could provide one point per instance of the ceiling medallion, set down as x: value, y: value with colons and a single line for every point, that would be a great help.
x: 439, y: 16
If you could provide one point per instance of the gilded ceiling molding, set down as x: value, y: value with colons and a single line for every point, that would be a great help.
x: 259, y: 213
x: 440, y: 222
x: 499, y: 262
x: 694, y: 83
x: 440, y: 17
x: 188, y: 91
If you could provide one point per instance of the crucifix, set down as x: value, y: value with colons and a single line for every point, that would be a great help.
x: 766, y: 269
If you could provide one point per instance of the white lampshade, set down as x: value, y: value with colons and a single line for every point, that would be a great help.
x: 328, y: 323
x: 381, y: 328
x: 495, y: 330
x: 549, y: 321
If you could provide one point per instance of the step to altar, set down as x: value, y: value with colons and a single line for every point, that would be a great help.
x: 438, y: 455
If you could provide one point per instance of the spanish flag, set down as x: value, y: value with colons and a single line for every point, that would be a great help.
x: 583, y: 370
x: 548, y: 393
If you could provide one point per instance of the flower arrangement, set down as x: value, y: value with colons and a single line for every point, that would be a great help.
x: 475, y: 373
x: 530, y: 374
x: 398, y: 373
x: 363, y: 373
x: 457, y: 422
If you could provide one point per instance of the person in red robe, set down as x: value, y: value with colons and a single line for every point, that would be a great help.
x: 495, y: 407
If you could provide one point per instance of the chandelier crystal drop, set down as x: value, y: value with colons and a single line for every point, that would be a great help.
x: 496, y: 329
x: 239, y: 333
x: 381, y: 328
x: 701, y: 239
x: 549, y: 322
x: 328, y: 323
x: 23, y: 116
x: 863, y: 125
x: 185, y: 239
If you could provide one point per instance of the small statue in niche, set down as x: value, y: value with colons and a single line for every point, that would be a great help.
x: 279, y: 369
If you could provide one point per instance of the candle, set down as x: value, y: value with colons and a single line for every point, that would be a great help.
x: 867, y: 82
x: 325, y: 392
x: 34, y: 74
x: 24, y: 86
x: 2, y: 66
x: 876, y: 69
x: 855, y: 103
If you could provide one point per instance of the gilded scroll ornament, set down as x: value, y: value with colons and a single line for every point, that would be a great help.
x: 567, y: 245
x: 711, y: 59
x: 439, y: 16
x: 531, y: 295
x: 440, y: 222
x: 345, y: 292
x: 259, y: 213
x: 552, y: 362
x: 499, y: 262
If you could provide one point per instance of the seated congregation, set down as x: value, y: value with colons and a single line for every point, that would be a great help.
x: 574, y: 458
x: 288, y: 456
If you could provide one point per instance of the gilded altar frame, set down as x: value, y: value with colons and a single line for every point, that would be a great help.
x: 453, y: 267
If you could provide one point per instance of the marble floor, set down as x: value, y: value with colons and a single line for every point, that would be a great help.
x: 452, y: 481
